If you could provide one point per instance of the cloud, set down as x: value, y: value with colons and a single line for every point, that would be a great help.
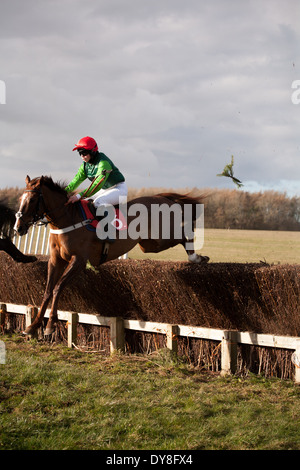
x: 170, y: 89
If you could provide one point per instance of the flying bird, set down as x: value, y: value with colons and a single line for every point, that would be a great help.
x: 228, y: 171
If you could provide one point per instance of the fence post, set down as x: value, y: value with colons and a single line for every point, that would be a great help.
x: 72, y: 328
x: 297, y: 362
x: 172, y: 338
x: 31, y: 313
x: 229, y: 353
x: 117, y: 338
x: 2, y: 315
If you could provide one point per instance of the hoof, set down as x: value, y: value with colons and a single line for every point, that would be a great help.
x: 27, y: 259
x: 31, y: 259
x: 29, y: 331
x: 198, y: 259
x: 50, y: 328
x: 49, y: 331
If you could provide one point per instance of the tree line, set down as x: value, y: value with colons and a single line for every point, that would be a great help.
x: 223, y: 208
x: 237, y: 209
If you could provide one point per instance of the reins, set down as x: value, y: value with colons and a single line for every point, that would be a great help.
x: 44, y: 216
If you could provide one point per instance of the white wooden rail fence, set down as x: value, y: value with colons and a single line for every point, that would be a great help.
x: 229, y: 339
x: 36, y: 241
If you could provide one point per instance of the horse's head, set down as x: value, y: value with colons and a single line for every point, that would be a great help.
x: 31, y: 207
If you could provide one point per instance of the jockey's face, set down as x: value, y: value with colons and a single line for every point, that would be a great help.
x: 85, y: 155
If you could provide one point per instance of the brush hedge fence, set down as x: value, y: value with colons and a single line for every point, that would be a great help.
x: 242, y: 299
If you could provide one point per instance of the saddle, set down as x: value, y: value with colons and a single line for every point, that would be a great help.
x: 88, y: 211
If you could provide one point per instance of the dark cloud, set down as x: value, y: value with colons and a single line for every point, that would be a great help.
x: 171, y: 89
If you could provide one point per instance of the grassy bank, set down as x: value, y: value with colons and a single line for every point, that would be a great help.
x: 55, y: 398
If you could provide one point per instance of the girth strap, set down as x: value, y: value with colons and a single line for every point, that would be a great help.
x: 71, y: 227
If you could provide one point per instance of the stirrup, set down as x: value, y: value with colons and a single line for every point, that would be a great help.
x: 99, y: 218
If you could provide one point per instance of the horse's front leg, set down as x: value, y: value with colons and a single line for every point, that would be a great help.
x: 75, y: 265
x: 55, y: 270
x: 7, y: 245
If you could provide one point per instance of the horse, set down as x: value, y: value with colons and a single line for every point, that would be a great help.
x: 7, y: 221
x: 71, y: 245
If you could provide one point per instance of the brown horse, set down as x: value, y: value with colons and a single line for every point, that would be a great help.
x: 72, y: 245
x: 7, y: 220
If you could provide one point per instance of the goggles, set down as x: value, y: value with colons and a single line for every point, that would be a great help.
x: 83, y: 152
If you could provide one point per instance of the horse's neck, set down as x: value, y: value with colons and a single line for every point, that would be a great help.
x: 58, y: 213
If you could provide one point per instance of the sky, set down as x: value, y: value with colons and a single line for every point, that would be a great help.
x: 169, y: 89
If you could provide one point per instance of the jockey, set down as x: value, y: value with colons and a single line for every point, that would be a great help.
x: 107, y: 182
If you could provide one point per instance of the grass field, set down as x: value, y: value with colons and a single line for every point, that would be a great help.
x: 52, y: 397
x: 229, y: 246
x: 242, y: 246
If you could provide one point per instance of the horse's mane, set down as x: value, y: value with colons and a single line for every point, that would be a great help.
x: 57, y: 186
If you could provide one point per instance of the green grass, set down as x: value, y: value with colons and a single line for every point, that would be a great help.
x: 52, y: 397
x: 238, y: 246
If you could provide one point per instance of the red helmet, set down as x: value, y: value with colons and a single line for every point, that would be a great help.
x: 87, y: 143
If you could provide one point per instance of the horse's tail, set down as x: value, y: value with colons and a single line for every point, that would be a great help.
x: 7, y: 220
x: 183, y: 199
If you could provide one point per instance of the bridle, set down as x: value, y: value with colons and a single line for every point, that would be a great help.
x: 37, y: 216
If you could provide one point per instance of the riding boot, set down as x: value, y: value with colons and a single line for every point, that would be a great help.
x: 92, y: 208
x: 99, y: 218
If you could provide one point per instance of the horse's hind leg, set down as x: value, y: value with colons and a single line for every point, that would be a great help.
x: 75, y: 265
x: 192, y: 255
x: 154, y: 246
